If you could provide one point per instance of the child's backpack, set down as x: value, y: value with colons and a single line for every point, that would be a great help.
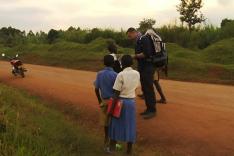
x: 160, y: 57
x: 117, y: 65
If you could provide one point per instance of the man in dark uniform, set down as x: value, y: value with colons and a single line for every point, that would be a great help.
x: 144, y: 48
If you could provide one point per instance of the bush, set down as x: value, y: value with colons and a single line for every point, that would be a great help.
x: 227, y: 31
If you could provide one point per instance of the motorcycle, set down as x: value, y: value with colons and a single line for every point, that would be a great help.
x: 17, y: 65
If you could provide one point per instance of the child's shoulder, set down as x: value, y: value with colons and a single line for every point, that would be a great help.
x: 99, y: 72
x: 131, y: 71
x: 135, y: 72
x: 113, y: 73
x: 106, y: 72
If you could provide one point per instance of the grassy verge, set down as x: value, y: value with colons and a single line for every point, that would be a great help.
x: 35, y: 129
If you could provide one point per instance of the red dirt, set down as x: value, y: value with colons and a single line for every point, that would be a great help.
x: 197, y: 121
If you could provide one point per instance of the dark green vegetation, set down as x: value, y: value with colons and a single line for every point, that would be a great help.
x: 213, y: 64
x: 199, y: 38
x: 205, y: 54
x: 65, y: 54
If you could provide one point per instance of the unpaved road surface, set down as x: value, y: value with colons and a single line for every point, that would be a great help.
x: 197, y: 121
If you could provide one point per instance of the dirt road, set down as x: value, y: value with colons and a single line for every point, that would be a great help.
x: 197, y: 121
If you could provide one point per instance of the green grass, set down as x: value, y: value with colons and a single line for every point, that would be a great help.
x: 35, y: 129
x: 213, y: 64
x: 221, y: 52
x: 65, y: 54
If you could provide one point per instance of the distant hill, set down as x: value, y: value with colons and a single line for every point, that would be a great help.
x: 221, y: 52
x: 214, y: 64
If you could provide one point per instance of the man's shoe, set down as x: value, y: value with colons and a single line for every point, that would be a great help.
x: 142, y: 96
x: 108, y: 151
x: 162, y: 101
x: 144, y: 113
x: 149, y: 115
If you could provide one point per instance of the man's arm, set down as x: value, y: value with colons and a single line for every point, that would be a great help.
x: 139, y: 56
x: 147, y: 46
x: 138, y: 51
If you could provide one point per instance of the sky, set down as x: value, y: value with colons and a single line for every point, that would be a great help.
x: 43, y: 15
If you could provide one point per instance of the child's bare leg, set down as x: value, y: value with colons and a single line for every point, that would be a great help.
x: 106, y: 141
x: 113, y: 145
x: 129, y: 148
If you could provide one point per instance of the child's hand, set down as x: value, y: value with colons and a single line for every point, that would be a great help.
x: 101, y: 105
x: 109, y: 115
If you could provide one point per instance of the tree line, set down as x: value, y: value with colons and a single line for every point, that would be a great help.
x: 188, y: 34
x: 199, y: 37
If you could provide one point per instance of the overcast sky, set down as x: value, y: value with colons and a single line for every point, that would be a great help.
x: 60, y: 14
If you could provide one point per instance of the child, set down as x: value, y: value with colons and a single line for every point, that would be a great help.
x: 158, y: 88
x: 104, y: 90
x: 112, y: 48
x: 124, y: 128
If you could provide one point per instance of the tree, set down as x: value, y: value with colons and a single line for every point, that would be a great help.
x: 225, y: 22
x: 71, y: 29
x: 11, y: 36
x: 52, y: 36
x: 190, y: 12
x: 146, y: 24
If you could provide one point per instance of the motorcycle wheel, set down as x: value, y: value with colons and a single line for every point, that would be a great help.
x: 13, y: 73
x: 22, y: 72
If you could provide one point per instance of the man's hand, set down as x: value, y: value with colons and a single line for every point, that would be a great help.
x: 134, y: 56
x: 139, y: 56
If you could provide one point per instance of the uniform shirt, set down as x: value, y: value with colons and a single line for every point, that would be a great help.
x: 144, y: 45
x: 126, y: 82
x: 105, y: 81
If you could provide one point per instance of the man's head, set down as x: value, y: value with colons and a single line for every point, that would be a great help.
x: 132, y: 33
x: 127, y: 61
x: 112, y: 48
x: 108, y: 61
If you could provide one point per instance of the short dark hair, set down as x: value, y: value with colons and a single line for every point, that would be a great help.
x: 127, y: 61
x: 108, y: 60
x: 131, y: 30
x: 112, y: 48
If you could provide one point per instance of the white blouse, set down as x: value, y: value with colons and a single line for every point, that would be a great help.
x: 127, y: 82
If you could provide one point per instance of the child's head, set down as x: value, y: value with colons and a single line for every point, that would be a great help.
x: 127, y: 61
x: 108, y: 61
x: 112, y: 48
